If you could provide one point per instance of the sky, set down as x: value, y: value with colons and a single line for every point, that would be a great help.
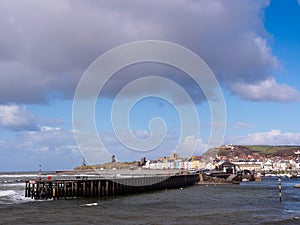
x: 252, y: 48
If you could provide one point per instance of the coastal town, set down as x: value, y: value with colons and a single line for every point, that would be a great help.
x: 276, y: 163
x: 232, y: 159
x: 228, y: 164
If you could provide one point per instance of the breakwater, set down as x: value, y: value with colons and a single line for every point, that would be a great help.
x: 97, y: 187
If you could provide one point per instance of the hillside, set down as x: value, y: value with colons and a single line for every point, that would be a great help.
x: 244, y: 151
x: 109, y: 165
x: 286, y: 150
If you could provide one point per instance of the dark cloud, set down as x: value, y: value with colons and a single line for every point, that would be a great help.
x: 46, y: 47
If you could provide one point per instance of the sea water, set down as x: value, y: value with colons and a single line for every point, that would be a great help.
x: 247, y: 203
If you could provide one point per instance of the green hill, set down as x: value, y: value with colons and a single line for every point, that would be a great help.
x: 109, y: 165
x: 245, y: 150
x: 286, y: 150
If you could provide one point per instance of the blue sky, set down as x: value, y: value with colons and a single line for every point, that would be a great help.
x: 253, y: 48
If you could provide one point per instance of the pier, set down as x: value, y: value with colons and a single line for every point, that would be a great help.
x: 91, y: 186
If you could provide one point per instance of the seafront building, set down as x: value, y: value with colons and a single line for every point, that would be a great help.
x: 289, y: 164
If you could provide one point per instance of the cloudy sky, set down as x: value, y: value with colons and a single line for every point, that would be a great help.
x: 252, y: 47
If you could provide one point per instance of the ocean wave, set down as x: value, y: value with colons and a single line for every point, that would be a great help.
x: 292, y: 211
x: 91, y: 204
x: 17, y: 175
x: 13, y: 197
x: 7, y: 193
x: 14, y: 184
x: 6, y: 182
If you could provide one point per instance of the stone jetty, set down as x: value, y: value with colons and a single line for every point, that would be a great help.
x: 69, y: 184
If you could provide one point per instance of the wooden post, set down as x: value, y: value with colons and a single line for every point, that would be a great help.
x: 201, y: 177
x: 38, y: 190
x: 26, y: 189
x: 81, y: 188
x: 112, y: 188
x: 99, y: 188
x: 92, y: 188
x: 52, y: 191
x: 102, y: 187
x: 65, y: 189
x: 72, y: 189
x: 75, y: 193
x: 84, y: 188
x: 77, y: 188
x: 29, y: 190
x: 106, y: 188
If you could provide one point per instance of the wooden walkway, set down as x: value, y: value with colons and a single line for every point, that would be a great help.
x: 58, y: 189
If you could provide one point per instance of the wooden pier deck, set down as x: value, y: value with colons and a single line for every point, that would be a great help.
x: 99, y: 187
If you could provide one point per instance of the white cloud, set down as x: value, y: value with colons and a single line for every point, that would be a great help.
x: 142, y: 134
x: 17, y: 118
x: 56, y: 140
x: 53, y: 148
x: 188, y: 145
x: 272, y: 137
x: 266, y: 90
x: 46, y: 129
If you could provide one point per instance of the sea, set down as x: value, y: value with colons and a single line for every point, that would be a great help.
x: 247, y: 203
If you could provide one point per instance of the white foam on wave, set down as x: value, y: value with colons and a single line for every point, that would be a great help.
x: 13, y: 197
x: 292, y: 211
x: 91, y: 204
x: 21, y: 184
x: 7, y: 193
x: 17, y: 175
